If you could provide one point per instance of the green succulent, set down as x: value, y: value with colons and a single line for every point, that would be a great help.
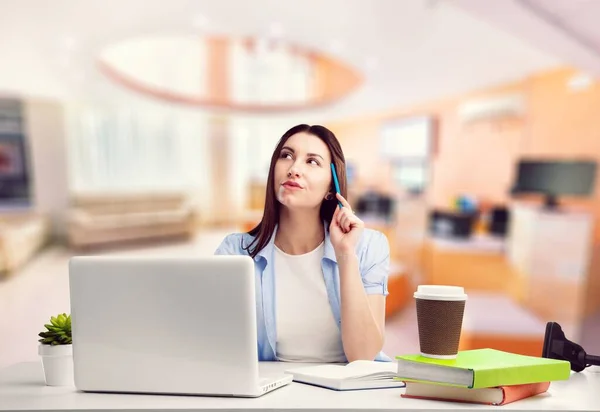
x: 58, y: 332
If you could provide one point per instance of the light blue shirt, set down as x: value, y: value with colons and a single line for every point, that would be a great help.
x: 374, y: 259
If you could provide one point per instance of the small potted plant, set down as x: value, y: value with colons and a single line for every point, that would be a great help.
x: 56, y: 350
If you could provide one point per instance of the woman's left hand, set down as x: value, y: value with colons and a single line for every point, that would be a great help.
x: 345, y: 228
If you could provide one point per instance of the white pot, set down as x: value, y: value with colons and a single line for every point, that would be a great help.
x: 57, y: 362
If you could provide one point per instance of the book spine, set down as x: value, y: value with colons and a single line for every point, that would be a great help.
x: 519, y: 375
x: 434, y: 398
x: 509, y: 394
x: 518, y: 392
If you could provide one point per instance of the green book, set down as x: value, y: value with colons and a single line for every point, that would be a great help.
x: 482, y: 368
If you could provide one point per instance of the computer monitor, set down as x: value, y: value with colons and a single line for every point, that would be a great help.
x: 375, y: 204
x: 554, y: 178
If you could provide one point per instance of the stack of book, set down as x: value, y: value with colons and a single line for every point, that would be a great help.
x: 485, y: 376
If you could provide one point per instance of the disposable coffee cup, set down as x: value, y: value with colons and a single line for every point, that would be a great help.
x: 440, y: 311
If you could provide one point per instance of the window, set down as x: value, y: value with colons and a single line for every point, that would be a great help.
x: 408, y: 145
x: 137, y: 148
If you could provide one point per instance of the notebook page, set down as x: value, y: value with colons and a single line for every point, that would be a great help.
x: 353, y: 370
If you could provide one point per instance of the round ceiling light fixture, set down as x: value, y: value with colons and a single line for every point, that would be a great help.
x: 241, y: 74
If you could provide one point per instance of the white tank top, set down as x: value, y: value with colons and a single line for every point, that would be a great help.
x: 306, y: 328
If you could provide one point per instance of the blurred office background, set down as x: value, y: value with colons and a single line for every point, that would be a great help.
x: 471, y: 131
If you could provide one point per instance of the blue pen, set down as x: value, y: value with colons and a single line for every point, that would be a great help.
x: 336, y: 183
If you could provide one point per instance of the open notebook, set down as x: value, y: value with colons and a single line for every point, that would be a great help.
x: 354, y: 375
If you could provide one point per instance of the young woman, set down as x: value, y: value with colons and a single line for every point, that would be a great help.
x: 321, y: 276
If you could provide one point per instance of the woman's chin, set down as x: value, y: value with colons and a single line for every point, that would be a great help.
x: 294, y: 204
x: 288, y: 203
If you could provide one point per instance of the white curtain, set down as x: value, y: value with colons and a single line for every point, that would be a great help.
x: 140, y: 147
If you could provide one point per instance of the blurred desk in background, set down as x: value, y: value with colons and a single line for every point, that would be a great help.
x: 554, y: 250
x: 400, y: 289
x: 473, y: 244
x: 495, y: 321
x: 477, y: 264
x: 494, y: 316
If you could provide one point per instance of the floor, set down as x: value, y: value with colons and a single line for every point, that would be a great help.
x: 41, y: 288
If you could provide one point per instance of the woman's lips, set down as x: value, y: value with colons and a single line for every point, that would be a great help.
x: 291, y: 185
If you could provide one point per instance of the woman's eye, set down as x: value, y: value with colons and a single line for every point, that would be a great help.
x: 313, y: 161
x: 286, y: 155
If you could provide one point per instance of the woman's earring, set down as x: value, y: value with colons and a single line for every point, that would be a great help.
x: 329, y: 196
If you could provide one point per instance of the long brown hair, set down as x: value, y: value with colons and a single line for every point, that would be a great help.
x: 263, y: 231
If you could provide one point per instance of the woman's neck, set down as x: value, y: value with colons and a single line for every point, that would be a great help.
x: 299, y: 232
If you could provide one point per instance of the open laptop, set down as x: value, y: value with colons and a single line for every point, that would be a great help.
x: 167, y: 325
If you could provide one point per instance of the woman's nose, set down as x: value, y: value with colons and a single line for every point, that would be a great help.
x: 294, y: 171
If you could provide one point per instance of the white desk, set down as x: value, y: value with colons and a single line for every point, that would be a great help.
x: 22, y: 388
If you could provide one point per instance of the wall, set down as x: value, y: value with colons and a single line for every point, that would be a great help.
x: 357, y: 140
x: 45, y: 120
x: 489, y: 148
x: 478, y: 158
x: 558, y: 123
x: 26, y: 69
x: 565, y: 123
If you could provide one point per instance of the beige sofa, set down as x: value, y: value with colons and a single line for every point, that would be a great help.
x: 103, y: 219
x: 22, y: 235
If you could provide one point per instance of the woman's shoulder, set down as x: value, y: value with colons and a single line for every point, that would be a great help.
x: 373, y: 238
x: 235, y: 236
x: 373, y: 245
x: 235, y: 244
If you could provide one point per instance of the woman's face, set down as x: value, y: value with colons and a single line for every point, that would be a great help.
x: 302, y: 172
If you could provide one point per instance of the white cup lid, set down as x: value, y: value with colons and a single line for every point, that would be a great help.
x: 440, y: 292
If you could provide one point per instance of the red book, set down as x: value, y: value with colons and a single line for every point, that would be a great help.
x: 500, y: 395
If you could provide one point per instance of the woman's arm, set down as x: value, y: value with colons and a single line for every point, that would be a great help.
x: 362, y: 314
x: 362, y: 294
